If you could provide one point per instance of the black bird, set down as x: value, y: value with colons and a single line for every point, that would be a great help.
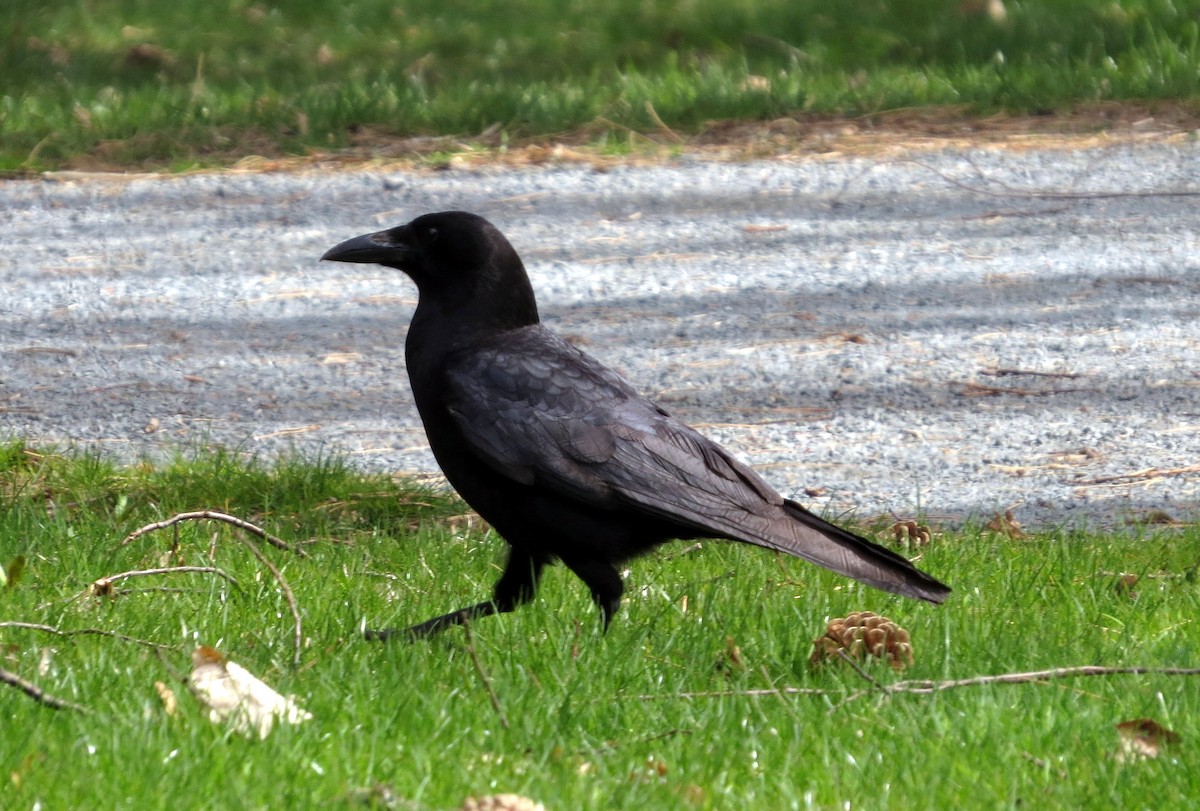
x: 558, y: 452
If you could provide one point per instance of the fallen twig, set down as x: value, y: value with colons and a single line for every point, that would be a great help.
x: 176, y: 674
x: 483, y: 676
x: 1005, y: 372
x: 1009, y: 191
x: 210, y: 515
x: 783, y: 702
x: 970, y: 389
x: 930, y: 686
x: 841, y: 652
x: 658, y: 122
x: 103, y: 585
x: 757, y: 692
x: 1137, y: 475
x: 38, y: 694
x: 992, y: 215
x: 50, y: 629
x: 288, y: 594
x: 925, y: 687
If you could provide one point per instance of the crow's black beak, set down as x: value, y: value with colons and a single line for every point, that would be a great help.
x: 383, y: 247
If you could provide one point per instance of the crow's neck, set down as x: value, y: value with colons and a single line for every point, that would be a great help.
x: 445, y: 323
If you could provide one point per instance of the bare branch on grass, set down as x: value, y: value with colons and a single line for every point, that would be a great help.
x: 658, y: 122
x: 926, y: 687
x: 211, y: 515
x: 930, y: 686
x: 103, y: 586
x: 483, y: 676
x: 848, y: 659
x: 754, y: 693
x: 174, y: 672
x: 50, y: 629
x: 787, y: 705
x: 38, y: 694
x: 288, y: 594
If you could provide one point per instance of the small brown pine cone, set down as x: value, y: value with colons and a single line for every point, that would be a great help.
x: 910, y: 533
x: 864, y: 634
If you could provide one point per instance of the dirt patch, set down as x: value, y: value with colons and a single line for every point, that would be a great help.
x: 804, y: 136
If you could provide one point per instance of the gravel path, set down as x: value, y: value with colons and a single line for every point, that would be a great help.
x: 958, y: 332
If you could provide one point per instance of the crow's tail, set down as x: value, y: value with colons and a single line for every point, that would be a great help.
x: 815, y: 539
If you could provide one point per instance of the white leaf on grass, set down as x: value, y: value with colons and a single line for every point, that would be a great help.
x: 45, y: 661
x: 235, y: 695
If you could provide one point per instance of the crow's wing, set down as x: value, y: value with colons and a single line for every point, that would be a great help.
x: 540, y: 411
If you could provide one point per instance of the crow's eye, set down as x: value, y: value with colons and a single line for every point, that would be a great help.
x: 431, y: 234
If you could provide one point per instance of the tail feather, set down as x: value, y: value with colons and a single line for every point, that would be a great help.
x: 815, y: 539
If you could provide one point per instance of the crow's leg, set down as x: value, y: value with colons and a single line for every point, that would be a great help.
x: 433, y: 626
x: 519, y: 582
x: 515, y: 587
x: 605, y: 583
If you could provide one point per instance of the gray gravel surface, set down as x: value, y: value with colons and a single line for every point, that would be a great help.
x: 955, y: 332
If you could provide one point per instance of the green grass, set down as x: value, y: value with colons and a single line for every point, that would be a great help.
x: 192, y: 82
x: 411, y: 725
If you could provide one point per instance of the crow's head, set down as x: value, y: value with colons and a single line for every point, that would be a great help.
x: 457, y: 259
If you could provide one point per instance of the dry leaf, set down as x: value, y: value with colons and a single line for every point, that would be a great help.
x: 167, y: 695
x: 11, y: 573
x: 28, y: 763
x: 1126, y: 586
x: 755, y: 84
x: 1157, y: 517
x: 732, y: 658
x: 457, y: 524
x: 82, y: 116
x: 734, y: 652
x: 1143, y: 738
x: 146, y: 55
x: 1006, y: 525
x: 992, y: 9
x: 654, y: 769
x: 233, y: 694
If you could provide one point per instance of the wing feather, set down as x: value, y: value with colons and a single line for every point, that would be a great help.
x: 537, y: 409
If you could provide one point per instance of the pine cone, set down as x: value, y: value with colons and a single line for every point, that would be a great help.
x: 864, y: 634
x: 501, y: 802
x: 910, y: 533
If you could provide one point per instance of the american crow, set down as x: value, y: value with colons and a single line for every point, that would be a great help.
x: 559, y: 453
